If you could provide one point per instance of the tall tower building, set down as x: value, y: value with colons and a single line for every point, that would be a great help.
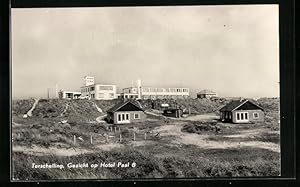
x: 89, y: 80
x: 139, y: 88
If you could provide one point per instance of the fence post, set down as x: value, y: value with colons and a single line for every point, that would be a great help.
x: 133, y: 136
x: 74, y: 139
x: 91, y: 139
x: 145, y: 136
x: 115, y: 129
x: 106, y: 138
x: 120, y: 138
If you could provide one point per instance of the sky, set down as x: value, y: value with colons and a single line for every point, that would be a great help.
x: 233, y: 50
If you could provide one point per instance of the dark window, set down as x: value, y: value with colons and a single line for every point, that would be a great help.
x: 255, y: 115
x: 119, y: 117
x: 92, y: 88
x: 242, y: 116
x: 238, y: 116
x: 246, y: 116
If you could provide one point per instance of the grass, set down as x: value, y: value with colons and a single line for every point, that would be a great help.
x: 158, y: 158
x: 217, y: 163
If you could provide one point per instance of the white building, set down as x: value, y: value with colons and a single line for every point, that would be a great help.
x: 140, y: 92
x: 98, y: 91
x: 69, y: 95
x: 206, y: 94
x: 89, y: 80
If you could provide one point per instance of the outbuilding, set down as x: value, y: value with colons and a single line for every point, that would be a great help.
x: 242, y: 111
x: 173, y: 112
x: 126, y: 112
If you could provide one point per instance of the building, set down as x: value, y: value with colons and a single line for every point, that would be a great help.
x: 241, y: 111
x: 89, y: 80
x: 206, y: 94
x: 98, y: 91
x: 52, y: 92
x: 140, y: 92
x: 126, y: 112
x: 173, y: 112
x: 69, y: 95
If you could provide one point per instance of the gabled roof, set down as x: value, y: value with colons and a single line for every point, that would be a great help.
x: 123, y: 103
x: 205, y: 91
x: 233, y: 105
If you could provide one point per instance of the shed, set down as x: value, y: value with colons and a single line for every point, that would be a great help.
x: 241, y: 111
x: 126, y: 112
x: 173, y: 112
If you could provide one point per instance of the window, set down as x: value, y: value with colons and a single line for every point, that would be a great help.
x: 136, y: 116
x: 92, y: 88
x: 255, y: 115
x: 178, y: 90
x: 145, y: 89
x: 92, y: 95
x: 119, y: 117
x: 106, y: 87
x: 242, y: 117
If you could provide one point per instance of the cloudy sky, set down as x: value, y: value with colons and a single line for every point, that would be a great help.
x: 233, y: 50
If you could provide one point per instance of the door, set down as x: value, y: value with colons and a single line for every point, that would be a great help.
x: 123, y: 118
x: 242, y: 117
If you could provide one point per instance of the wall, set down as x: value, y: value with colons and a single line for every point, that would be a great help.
x: 251, y: 119
x: 105, y: 93
x: 86, y: 91
x: 131, y: 116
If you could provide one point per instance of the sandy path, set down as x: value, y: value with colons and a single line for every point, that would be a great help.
x: 100, y: 119
x: 202, y: 140
x: 203, y: 117
x: 65, y: 109
x: 36, y: 150
x: 39, y: 151
x: 98, y: 108
x: 29, y: 113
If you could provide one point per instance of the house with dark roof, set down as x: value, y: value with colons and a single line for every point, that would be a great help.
x: 241, y: 111
x: 206, y: 94
x: 126, y: 112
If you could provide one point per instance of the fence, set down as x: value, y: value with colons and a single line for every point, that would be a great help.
x: 111, y: 135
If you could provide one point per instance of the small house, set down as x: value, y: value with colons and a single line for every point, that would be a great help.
x: 241, y: 111
x: 173, y: 112
x: 126, y: 112
x: 206, y: 94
